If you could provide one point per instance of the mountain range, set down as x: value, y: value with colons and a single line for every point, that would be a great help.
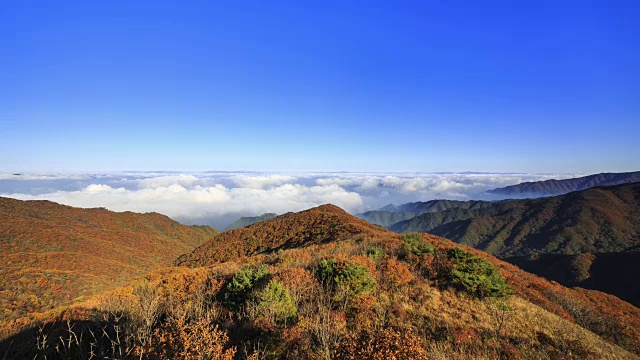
x: 599, y: 221
x: 602, y: 219
x: 560, y: 187
x: 392, y: 214
x: 328, y: 231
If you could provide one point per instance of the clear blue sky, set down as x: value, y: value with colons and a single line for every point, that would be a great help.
x: 539, y: 86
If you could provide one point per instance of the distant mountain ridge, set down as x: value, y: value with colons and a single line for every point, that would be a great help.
x: 560, y: 187
x: 601, y: 219
x: 248, y: 220
x: 391, y: 214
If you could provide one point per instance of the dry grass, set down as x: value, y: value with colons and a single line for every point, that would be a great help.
x: 53, y: 255
x: 411, y: 312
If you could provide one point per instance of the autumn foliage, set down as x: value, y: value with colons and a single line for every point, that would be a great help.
x: 364, y: 295
x: 55, y: 255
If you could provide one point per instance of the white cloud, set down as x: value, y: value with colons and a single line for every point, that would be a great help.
x: 219, y: 198
x: 163, y: 181
x: 422, y: 187
x: 205, y: 202
x: 261, y: 181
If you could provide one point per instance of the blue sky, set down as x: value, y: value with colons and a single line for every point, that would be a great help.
x: 531, y: 86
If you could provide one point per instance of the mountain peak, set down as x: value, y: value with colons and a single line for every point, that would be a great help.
x: 322, y: 224
x: 328, y: 208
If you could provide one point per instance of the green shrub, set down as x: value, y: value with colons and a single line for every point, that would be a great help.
x: 416, y: 245
x: 239, y: 288
x: 475, y: 275
x: 276, y: 301
x: 374, y: 252
x: 349, y: 276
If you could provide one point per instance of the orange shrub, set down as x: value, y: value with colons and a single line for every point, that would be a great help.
x: 299, y: 282
x: 294, y: 257
x: 394, y: 274
x: 384, y: 344
x: 363, y: 312
x: 200, y: 340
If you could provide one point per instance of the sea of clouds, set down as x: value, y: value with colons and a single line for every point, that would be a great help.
x: 219, y: 198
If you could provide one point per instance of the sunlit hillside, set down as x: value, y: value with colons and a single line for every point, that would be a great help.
x: 323, y: 284
x: 55, y: 255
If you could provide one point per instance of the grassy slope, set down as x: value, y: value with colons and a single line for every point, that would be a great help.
x: 329, y: 224
x: 53, y: 254
x: 326, y: 223
x: 406, y: 312
x: 545, y: 320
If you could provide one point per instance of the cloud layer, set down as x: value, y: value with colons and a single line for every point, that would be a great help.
x: 218, y: 198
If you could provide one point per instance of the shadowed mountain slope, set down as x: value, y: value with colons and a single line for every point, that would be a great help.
x: 248, y: 220
x: 560, y: 187
x: 53, y: 254
x: 613, y: 273
x: 604, y: 219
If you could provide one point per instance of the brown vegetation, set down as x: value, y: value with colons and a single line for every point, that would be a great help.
x: 367, y: 294
x: 54, y: 255
x: 292, y: 230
